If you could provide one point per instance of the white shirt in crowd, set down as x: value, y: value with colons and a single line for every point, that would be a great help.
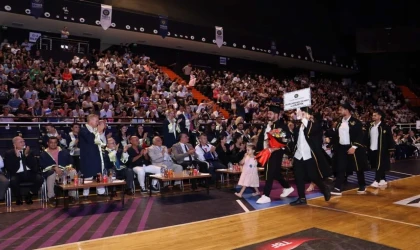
x: 374, y: 134
x: 201, y: 150
x: 187, y: 70
x: 106, y: 113
x: 302, y: 149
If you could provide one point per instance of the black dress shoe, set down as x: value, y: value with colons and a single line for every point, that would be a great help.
x: 19, y: 202
x: 28, y: 200
x: 127, y: 192
x: 327, y: 193
x: 298, y: 202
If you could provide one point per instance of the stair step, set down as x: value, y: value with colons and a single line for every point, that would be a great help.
x: 196, y: 94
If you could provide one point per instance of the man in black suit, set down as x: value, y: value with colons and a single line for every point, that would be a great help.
x: 309, y: 160
x: 381, y: 145
x: 349, y: 150
x: 273, y: 165
x: 20, y: 163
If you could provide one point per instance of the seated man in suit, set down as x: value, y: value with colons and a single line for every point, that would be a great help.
x: 139, y: 162
x: 4, y: 182
x: 117, y: 160
x: 207, y: 153
x: 184, y: 154
x: 53, y: 161
x: 160, y: 156
x: 20, y: 163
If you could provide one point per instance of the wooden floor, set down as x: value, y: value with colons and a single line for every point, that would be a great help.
x: 372, y: 217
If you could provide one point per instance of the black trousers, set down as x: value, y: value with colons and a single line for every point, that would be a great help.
x: 126, y: 174
x: 4, y: 184
x: 343, y: 161
x: 27, y: 176
x: 379, y: 173
x: 273, y: 172
x: 306, y: 170
x: 213, y: 166
x: 76, y: 162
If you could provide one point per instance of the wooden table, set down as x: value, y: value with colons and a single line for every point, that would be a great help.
x: 180, y: 177
x: 93, y: 184
x: 232, y: 172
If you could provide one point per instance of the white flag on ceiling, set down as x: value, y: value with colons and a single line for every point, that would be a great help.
x: 219, y: 36
x: 309, y: 49
x: 106, y: 16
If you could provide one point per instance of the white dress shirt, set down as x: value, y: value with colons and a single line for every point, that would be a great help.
x: 344, y: 132
x: 184, y: 150
x: 201, y: 150
x: 374, y: 137
x: 21, y: 169
x: 302, y: 149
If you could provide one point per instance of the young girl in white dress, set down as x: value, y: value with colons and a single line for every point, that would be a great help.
x: 249, y: 176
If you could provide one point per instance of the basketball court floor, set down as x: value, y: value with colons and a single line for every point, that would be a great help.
x: 386, y: 218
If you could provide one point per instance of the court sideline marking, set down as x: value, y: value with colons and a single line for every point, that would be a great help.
x: 365, y: 215
x: 243, y: 206
x: 400, y: 173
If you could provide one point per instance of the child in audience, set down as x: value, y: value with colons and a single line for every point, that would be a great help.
x: 249, y: 176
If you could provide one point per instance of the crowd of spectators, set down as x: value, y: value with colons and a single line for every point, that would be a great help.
x: 123, y: 87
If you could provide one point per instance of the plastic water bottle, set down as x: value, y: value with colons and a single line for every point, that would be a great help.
x: 64, y: 177
x: 105, y: 176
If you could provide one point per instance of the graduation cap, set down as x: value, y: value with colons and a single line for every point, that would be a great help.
x: 347, y: 106
x: 307, y: 110
x: 274, y: 109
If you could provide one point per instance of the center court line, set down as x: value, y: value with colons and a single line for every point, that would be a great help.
x: 365, y: 215
x: 243, y: 206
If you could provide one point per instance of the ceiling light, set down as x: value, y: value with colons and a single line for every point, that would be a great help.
x: 203, y: 39
x: 299, y: 57
x: 82, y: 20
x: 128, y: 27
x: 224, y: 43
x: 47, y: 14
x: 141, y: 29
x: 72, y: 19
x: 28, y: 11
x: 113, y: 25
x: 306, y: 58
x: 277, y: 52
x: 7, y: 8
x: 284, y: 54
x: 253, y: 48
x: 214, y: 41
x: 234, y: 45
x: 97, y: 22
x: 244, y: 46
x: 192, y: 37
x: 155, y: 31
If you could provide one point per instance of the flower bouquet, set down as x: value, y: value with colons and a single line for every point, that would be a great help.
x: 276, y: 139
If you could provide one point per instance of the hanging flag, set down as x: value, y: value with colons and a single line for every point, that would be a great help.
x: 309, y: 49
x: 37, y: 8
x: 273, y: 48
x: 219, y: 36
x: 163, y: 26
x: 106, y: 16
